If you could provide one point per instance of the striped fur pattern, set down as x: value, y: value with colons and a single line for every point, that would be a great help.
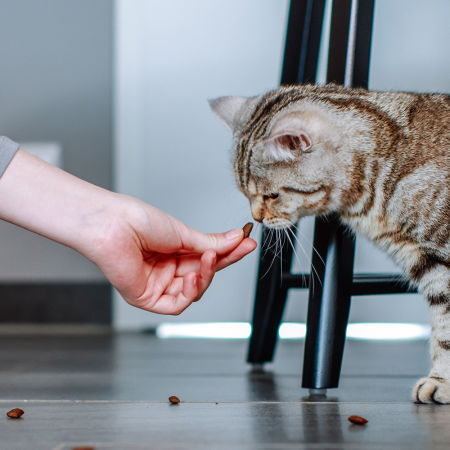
x: 381, y: 160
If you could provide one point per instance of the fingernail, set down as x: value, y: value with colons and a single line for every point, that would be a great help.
x: 234, y: 234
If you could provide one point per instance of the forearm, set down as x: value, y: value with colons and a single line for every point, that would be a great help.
x: 48, y: 201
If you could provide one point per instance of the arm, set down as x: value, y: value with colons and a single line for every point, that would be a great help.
x: 156, y: 262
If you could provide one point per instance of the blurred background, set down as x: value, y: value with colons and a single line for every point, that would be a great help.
x: 116, y: 92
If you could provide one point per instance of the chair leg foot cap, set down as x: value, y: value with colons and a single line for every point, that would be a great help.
x: 257, y: 367
x: 318, y: 392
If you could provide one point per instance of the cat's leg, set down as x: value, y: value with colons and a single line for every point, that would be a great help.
x: 435, y: 388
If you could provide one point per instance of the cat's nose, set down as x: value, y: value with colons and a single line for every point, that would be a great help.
x: 257, y: 213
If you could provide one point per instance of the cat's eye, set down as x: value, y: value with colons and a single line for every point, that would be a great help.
x: 272, y: 196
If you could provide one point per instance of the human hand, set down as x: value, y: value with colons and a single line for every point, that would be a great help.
x: 156, y: 262
x: 159, y: 264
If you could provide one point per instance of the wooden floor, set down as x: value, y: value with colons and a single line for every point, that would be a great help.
x: 111, y: 392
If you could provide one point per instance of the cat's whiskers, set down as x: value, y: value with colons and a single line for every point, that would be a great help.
x: 275, y: 253
x: 287, y: 230
x: 283, y: 244
x: 297, y: 241
x: 300, y: 234
x: 275, y: 242
x: 279, y: 235
x: 269, y: 243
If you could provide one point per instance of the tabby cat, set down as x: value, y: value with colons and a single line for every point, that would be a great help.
x: 381, y: 160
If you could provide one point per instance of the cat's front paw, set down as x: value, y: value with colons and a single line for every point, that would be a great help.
x: 432, y: 390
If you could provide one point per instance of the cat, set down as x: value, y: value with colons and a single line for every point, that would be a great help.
x: 381, y: 160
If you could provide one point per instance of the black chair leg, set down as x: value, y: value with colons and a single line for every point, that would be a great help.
x: 299, y: 65
x: 270, y: 299
x: 329, y: 304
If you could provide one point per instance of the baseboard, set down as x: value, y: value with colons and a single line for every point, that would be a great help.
x: 53, y: 329
x: 56, y: 302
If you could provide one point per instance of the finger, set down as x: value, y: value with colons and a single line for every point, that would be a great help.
x: 245, y: 247
x: 188, y: 263
x: 170, y: 305
x: 175, y: 287
x: 190, y: 287
x: 222, y: 243
x: 191, y: 263
x: 160, y: 278
x: 206, y: 272
x: 176, y: 304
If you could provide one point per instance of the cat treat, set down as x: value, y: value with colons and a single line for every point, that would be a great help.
x: 357, y: 420
x: 15, y: 413
x: 247, y: 229
x: 174, y: 400
x: 379, y: 160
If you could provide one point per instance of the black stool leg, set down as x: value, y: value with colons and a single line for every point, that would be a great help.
x: 299, y: 65
x: 301, y: 52
x: 270, y: 299
x: 329, y: 304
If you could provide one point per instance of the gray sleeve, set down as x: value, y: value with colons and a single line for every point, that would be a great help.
x: 8, y: 149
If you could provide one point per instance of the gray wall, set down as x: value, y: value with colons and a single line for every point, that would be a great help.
x: 56, y: 85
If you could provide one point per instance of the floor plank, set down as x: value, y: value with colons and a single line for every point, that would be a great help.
x: 252, y: 425
x: 111, y: 391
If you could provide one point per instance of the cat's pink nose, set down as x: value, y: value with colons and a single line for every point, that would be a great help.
x: 258, y: 214
x: 257, y: 210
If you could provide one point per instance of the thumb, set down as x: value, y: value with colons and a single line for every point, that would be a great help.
x: 222, y: 243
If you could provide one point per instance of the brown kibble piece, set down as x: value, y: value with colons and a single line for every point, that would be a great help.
x: 174, y: 400
x: 357, y: 420
x: 247, y: 229
x: 83, y: 447
x: 15, y: 413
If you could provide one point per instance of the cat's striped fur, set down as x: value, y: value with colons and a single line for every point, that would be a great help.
x: 380, y: 160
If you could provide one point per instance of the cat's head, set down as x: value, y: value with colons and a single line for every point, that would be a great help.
x: 290, y: 154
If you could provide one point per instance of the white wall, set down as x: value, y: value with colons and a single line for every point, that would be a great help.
x: 170, y: 151
x: 410, y: 50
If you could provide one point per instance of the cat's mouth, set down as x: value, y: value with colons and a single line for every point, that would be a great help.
x: 276, y: 223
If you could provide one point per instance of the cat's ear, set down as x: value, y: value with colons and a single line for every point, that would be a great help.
x: 288, y: 138
x: 286, y: 146
x: 290, y: 142
x: 228, y: 109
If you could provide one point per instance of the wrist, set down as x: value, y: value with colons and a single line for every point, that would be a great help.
x: 51, y: 202
x: 101, y: 228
